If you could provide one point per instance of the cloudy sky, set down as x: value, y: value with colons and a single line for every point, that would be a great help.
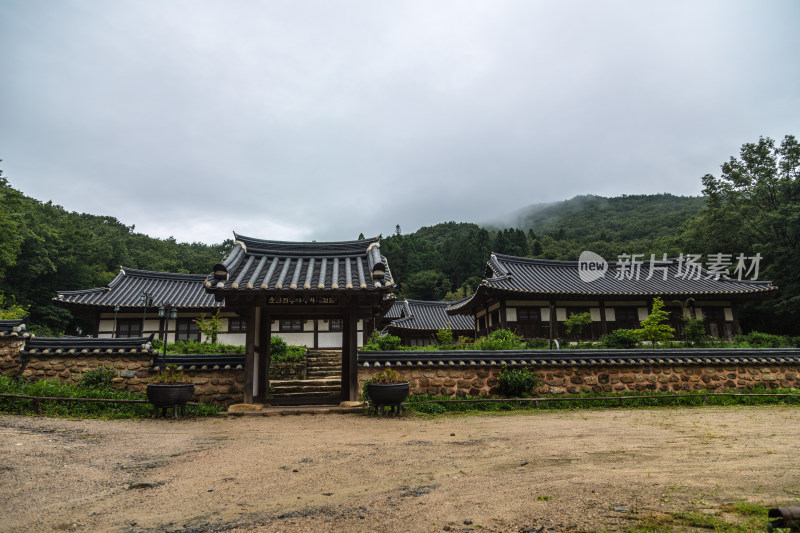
x: 301, y: 120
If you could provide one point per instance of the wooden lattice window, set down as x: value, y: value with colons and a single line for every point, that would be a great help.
x: 187, y: 330
x: 291, y: 325
x: 529, y: 314
x: 129, y: 327
x: 237, y: 325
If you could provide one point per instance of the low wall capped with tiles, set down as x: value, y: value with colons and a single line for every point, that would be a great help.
x: 474, y: 373
x: 218, y: 379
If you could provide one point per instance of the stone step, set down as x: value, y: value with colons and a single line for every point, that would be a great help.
x: 304, y: 382
x: 305, y: 394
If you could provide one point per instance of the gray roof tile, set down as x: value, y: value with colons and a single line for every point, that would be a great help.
x: 553, y: 279
x: 178, y: 290
x: 255, y: 264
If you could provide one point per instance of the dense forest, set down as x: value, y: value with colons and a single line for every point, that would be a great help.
x: 752, y: 207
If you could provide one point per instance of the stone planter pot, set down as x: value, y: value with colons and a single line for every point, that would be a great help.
x: 164, y: 395
x: 388, y: 395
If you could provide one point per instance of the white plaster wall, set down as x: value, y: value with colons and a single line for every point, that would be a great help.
x: 611, y: 316
x: 642, y: 313
x: 595, y: 314
x: 331, y: 340
x: 545, y: 313
x: 511, y: 314
x: 561, y: 314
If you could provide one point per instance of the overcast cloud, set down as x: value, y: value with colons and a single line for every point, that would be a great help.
x: 319, y: 120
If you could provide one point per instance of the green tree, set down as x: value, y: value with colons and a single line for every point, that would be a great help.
x: 426, y: 285
x: 576, y: 323
x: 653, y: 327
x: 210, y: 327
x: 753, y: 207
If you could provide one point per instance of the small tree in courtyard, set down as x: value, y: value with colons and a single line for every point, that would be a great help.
x: 576, y: 323
x: 653, y: 327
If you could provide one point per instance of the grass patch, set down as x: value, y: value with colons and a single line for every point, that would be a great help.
x: 67, y: 409
x: 440, y: 405
x: 737, y: 517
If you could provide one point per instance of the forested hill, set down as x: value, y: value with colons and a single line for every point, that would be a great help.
x: 592, y: 218
x: 44, y: 248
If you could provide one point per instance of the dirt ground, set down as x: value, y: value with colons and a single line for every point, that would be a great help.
x: 594, y: 470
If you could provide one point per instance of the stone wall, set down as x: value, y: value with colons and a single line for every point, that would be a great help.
x: 482, y: 380
x: 220, y: 386
x: 9, y: 353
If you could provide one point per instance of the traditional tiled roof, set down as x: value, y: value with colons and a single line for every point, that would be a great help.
x: 569, y: 358
x: 430, y: 316
x: 523, y: 277
x: 399, y: 310
x: 13, y: 328
x: 85, y: 345
x: 304, y: 267
x: 201, y: 362
x: 177, y: 290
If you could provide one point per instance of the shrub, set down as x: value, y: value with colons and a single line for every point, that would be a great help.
x: 756, y: 339
x: 576, y: 323
x: 501, y: 339
x: 385, y: 343
x: 98, y: 378
x: 515, y: 383
x: 620, y: 338
x: 280, y: 351
x: 537, y: 344
x: 694, y: 332
x: 444, y: 337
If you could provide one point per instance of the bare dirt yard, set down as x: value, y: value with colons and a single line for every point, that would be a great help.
x: 592, y: 470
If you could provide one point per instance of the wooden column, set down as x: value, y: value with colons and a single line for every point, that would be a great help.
x: 350, y: 355
x: 552, y: 322
x: 265, y: 350
x: 249, y: 358
x: 603, y: 317
x: 503, y: 321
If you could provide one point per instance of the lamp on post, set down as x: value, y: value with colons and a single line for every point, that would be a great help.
x: 147, y: 300
x: 114, y: 332
x: 166, y: 315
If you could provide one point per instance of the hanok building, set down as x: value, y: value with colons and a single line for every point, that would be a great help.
x: 129, y: 306
x: 346, y: 286
x: 418, y: 321
x: 534, y: 297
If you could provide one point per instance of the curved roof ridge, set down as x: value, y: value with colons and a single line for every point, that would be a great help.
x: 155, y: 274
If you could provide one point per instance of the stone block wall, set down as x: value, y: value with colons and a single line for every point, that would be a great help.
x: 482, y: 380
x: 134, y: 372
x: 9, y: 353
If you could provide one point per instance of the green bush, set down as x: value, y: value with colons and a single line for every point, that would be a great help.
x: 517, y: 383
x: 385, y: 343
x: 694, y: 332
x: 537, y: 344
x: 756, y: 339
x: 98, y: 378
x: 282, y: 352
x: 501, y: 339
x: 620, y: 338
x: 444, y: 337
x: 196, y: 347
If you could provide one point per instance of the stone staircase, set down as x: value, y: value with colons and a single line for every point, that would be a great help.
x: 324, y: 364
x: 322, y: 386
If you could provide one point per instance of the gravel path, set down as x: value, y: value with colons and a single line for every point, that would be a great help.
x: 539, y: 471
